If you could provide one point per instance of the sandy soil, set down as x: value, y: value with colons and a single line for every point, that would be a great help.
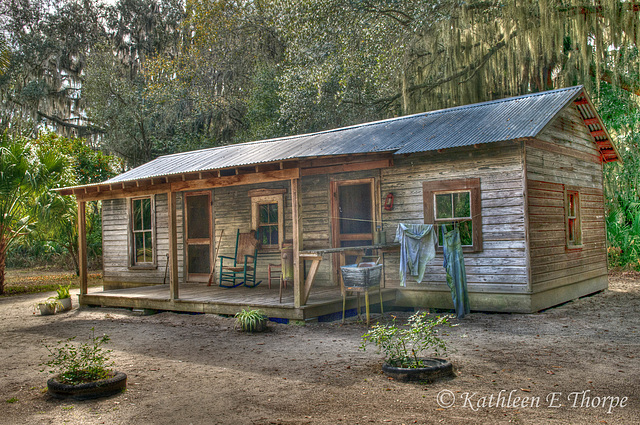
x: 577, y: 364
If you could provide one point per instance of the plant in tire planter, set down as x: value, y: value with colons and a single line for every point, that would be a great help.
x: 405, y: 348
x: 251, y: 321
x: 83, y: 371
x: 64, y: 297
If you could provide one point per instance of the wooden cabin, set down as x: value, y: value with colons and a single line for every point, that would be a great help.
x: 528, y: 169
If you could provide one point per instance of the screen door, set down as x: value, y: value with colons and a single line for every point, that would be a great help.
x: 198, y: 240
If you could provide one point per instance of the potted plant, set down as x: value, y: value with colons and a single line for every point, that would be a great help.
x: 47, y: 307
x: 405, y: 348
x: 251, y: 321
x: 83, y: 371
x: 64, y: 297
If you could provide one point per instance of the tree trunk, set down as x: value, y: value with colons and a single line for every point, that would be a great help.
x: 3, y: 257
x: 74, y: 257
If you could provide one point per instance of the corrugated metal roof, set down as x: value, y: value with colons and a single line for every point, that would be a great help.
x: 487, y: 122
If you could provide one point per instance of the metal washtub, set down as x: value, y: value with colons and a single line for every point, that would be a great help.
x: 355, y: 277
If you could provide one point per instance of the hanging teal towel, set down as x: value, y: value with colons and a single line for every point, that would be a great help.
x: 456, y: 275
x: 417, y: 248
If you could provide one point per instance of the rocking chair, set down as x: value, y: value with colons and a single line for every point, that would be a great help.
x: 243, y: 265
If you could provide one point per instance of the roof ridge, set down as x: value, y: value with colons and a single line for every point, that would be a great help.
x: 503, y: 100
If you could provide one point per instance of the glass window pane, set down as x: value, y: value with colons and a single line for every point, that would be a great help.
x: 448, y: 226
x: 148, y: 247
x: 274, y: 235
x: 137, y: 214
x: 268, y: 235
x: 572, y: 230
x: 461, y: 204
x: 572, y: 205
x: 139, y: 247
x: 273, y: 213
x: 466, y: 233
x: 262, y: 237
x: 146, y: 214
x: 444, y: 207
x: 264, y: 213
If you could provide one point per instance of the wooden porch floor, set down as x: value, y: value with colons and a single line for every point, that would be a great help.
x: 200, y: 298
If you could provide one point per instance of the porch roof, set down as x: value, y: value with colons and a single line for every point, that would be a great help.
x: 488, y: 122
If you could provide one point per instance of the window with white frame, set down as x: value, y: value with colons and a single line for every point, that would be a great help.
x: 267, y: 219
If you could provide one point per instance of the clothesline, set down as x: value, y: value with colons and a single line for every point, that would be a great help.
x: 460, y: 220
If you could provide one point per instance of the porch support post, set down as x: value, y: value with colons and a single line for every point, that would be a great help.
x: 173, y: 247
x: 82, y: 246
x: 298, y: 271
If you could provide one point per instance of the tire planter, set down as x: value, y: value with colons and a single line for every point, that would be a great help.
x: 102, y: 388
x: 260, y: 326
x: 434, y: 369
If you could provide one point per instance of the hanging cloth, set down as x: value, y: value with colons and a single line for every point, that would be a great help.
x: 417, y: 248
x: 456, y: 275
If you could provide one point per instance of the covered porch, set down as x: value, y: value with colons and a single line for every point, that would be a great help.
x: 324, y: 303
x: 303, y: 301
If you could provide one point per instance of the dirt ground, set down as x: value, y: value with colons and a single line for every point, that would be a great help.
x: 576, y: 364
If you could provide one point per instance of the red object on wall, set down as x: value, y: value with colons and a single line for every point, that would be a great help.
x: 388, y: 202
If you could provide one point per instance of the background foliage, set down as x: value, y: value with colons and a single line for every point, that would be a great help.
x: 136, y: 79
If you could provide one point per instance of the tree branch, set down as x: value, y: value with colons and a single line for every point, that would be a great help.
x: 399, y: 16
x: 471, y: 68
x: 617, y: 80
x: 84, y: 129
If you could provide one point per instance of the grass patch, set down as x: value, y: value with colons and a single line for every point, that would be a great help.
x: 20, y: 282
x: 12, y: 400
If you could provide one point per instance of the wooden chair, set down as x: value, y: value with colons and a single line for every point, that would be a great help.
x: 277, y: 270
x: 243, y: 265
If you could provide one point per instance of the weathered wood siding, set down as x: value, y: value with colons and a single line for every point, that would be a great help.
x: 548, y: 172
x: 232, y: 211
x: 115, y: 244
x: 502, y: 264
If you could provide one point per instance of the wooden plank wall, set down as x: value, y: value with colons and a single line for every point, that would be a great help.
x: 502, y: 265
x: 552, y: 264
x: 115, y: 248
x: 232, y: 211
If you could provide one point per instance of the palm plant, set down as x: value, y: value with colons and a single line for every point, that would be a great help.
x: 59, y: 214
x: 4, y: 55
x: 25, y: 174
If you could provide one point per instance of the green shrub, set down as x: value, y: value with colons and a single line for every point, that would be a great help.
x: 75, y: 364
x: 623, y: 236
x: 407, y: 346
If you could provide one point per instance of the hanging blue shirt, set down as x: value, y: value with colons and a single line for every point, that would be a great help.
x: 417, y: 248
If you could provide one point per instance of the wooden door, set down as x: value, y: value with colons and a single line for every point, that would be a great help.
x: 353, y: 215
x: 198, y: 239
